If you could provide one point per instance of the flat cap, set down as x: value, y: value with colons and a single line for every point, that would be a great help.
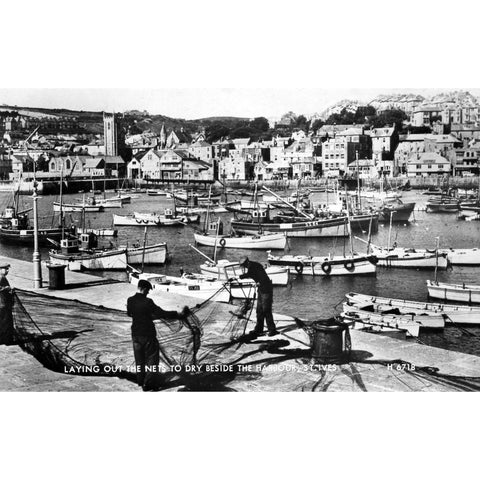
x: 144, y: 284
x: 4, y: 265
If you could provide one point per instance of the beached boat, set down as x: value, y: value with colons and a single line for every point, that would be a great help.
x: 462, y: 314
x: 225, y: 269
x: 420, y: 317
x: 454, y: 292
x: 197, y: 286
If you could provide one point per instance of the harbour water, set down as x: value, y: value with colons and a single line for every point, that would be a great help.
x: 306, y: 297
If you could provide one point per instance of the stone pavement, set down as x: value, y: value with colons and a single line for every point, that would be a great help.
x: 377, y: 364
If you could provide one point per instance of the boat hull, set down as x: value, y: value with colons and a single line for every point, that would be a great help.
x: 401, y: 213
x: 326, y: 266
x: 225, y: 270
x: 463, y: 256
x: 403, y: 258
x: 259, y: 242
x: 425, y: 321
x: 314, y: 228
x: 68, y: 207
x: 453, y: 292
x: 26, y: 237
x: 108, y: 260
x: 153, y: 254
x: 463, y: 314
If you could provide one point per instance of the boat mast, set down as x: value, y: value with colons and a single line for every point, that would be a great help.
x: 207, y: 216
x: 216, y: 240
x: 436, y: 259
x: 369, y: 235
x: 390, y: 229
x: 286, y: 203
x: 62, y: 226
x: 359, y: 201
x: 349, y: 225
x: 144, y: 245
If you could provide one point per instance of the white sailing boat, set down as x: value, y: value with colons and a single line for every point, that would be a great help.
x: 329, y: 265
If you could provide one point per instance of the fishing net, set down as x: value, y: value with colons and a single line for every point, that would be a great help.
x: 69, y: 336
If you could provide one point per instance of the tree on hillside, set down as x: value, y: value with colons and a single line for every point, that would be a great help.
x: 365, y: 114
x: 216, y: 131
x: 260, y: 123
x: 343, y: 118
x: 390, y: 117
x: 302, y: 123
x: 317, y: 124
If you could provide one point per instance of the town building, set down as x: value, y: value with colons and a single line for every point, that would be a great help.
x: 425, y: 116
x: 427, y: 164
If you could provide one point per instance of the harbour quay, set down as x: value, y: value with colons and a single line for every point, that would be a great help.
x: 87, y: 320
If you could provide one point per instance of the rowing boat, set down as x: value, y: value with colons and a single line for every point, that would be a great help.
x: 462, y: 314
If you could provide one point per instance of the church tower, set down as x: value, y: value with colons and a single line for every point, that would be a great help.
x: 163, y: 137
x: 110, y: 134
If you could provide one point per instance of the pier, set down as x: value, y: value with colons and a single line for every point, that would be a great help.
x: 284, y: 363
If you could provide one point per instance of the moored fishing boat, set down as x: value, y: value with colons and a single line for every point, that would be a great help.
x: 259, y: 221
x: 81, y: 254
x: 462, y: 256
x: 397, y: 210
x: 99, y: 232
x: 272, y: 241
x: 397, y: 257
x: 454, y: 292
x: 326, y: 265
x: 443, y: 205
x: 149, y: 255
x: 76, y: 207
x: 156, y: 193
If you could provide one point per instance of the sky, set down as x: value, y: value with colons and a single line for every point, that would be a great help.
x: 192, y: 103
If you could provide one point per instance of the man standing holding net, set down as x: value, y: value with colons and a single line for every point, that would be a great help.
x: 146, y: 348
x: 6, y: 307
x: 256, y: 271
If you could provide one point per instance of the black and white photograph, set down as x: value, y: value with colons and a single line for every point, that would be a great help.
x: 335, y: 250
x: 259, y: 217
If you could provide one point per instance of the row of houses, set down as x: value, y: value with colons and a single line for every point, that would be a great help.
x: 332, y: 152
